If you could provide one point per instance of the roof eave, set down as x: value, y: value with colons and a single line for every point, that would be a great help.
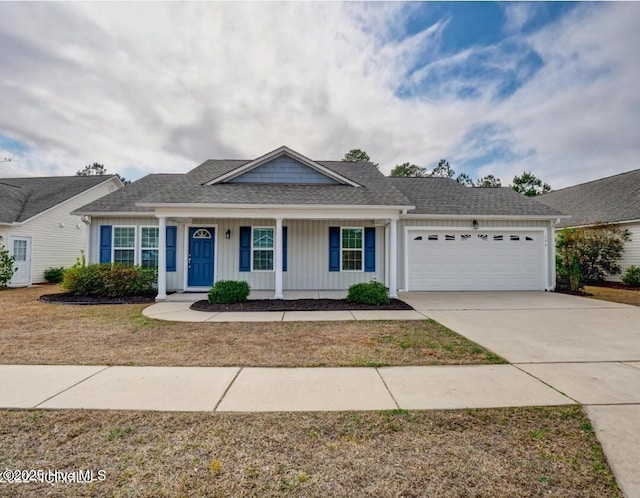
x: 485, y: 216
x: 399, y: 207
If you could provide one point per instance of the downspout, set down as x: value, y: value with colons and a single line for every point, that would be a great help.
x: 87, y: 237
x: 552, y: 237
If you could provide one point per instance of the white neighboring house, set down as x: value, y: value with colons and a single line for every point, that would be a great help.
x: 285, y: 222
x: 612, y: 200
x: 36, y: 224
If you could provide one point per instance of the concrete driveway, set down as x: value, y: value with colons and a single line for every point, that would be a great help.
x: 587, y: 349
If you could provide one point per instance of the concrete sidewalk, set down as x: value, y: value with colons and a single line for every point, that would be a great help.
x: 181, y: 312
x: 271, y: 389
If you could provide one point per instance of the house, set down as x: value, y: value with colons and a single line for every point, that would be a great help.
x: 286, y: 222
x: 611, y: 200
x: 36, y: 224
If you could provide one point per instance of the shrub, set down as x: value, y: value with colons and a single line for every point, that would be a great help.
x: 597, y: 250
x: 105, y: 280
x: 7, y: 269
x: 54, y: 275
x: 229, y: 292
x: 368, y: 293
x: 632, y: 276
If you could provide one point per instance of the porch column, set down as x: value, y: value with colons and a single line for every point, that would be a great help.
x: 278, y: 259
x: 162, y: 259
x: 393, y: 258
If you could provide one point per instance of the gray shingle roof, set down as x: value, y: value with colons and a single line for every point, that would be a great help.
x: 23, y: 198
x: 612, y: 199
x: 447, y: 197
x: 189, y: 188
x: 124, y: 200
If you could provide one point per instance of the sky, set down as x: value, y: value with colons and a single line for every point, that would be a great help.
x: 495, y: 88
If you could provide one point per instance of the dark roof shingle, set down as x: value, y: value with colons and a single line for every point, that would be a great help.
x: 24, y: 198
x: 608, y: 200
x: 447, y: 197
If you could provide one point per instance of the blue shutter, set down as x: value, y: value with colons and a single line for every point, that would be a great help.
x: 105, y: 243
x: 334, y: 248
x: 284, y: 248
x: 245, y: 248
x: 370, y: 249
x: 172, y: 232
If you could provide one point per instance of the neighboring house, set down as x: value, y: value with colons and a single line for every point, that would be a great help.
x: 612, y: 200
x: 36, y: 224
x: 285, y: 222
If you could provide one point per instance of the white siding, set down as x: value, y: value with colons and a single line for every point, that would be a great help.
x: 631, y: 255
x: 57, y: 236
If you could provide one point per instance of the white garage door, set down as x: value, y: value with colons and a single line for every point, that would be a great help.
x: 456, y: 260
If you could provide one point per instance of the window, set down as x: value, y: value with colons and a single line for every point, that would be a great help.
x: 514, y: 237
x: 465, y: 236
x: 352, y: 249
x: 262, y: 249
x: 149, y: 247
x: 449, y: 237
x: 124, y: 245
x: 432, y: 237
x: 19, y: 250
x: 498, y: 237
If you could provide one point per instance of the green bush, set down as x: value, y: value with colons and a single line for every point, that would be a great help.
x: 368, y: 293
x: 54, y: 275
x: 7, y: 268
x: 105, y: 280
x: 632, y: 276
x: 229, y: 292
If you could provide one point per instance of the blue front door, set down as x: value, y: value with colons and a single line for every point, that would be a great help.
x: 201, y: 257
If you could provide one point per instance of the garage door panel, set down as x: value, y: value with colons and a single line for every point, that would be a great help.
x: 445, y: 260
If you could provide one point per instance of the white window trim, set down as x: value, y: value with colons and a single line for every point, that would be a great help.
x: 273, y: 249
x: 361, y: 270
x: 135, y: 244
x: 140, y: 248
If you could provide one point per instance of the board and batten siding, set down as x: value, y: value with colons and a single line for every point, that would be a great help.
x: 486, y: 224
x: 174, y: 279
x: 57, y: 237
x: 307, y: 252
x: 307, y: 255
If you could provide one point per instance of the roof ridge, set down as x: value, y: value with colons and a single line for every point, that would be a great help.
x: 594, y: 181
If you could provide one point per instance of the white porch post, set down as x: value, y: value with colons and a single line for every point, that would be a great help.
x: 162, y: 259
x: 386, y: 255
x: 393, y: 258
x: 278, y: 259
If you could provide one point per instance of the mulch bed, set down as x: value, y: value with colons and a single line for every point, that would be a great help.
x: 65, y: 298
x: 615, y: 285
x: 298, y: 305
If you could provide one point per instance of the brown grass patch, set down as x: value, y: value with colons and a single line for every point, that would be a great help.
x: 624, y: 296
x: 39, y: 333
x: 495, y: 452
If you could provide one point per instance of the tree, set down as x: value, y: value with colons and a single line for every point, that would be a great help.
x: 529, y: 185
x: 589, y: 254
x: 356, y: 156
x: 488, y: 181
x: 97, y: 169
x: 464, y: 179
x: 408, y: 169
x: 443, y: 170
x: 7, y: 268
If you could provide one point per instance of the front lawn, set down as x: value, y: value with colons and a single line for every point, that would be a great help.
x: 491, y: 452
x: 40, y: 333
x: 624, y: 296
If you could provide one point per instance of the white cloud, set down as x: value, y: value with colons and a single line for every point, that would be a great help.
x: 149, y: 87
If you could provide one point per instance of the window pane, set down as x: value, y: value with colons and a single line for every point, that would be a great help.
x: 263, y: 260
x: 263, y: 237
x: 351, y: 238
x: 149, y: 237
x: 124, y: 237
x: 149, y: 258
x: 19, y: 250
x: 124, y: 256
x: 352, y: 260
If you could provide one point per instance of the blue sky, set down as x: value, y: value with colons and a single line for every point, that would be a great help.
x: 496, y: 88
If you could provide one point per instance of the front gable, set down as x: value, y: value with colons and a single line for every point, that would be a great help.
x: 283, y: 166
